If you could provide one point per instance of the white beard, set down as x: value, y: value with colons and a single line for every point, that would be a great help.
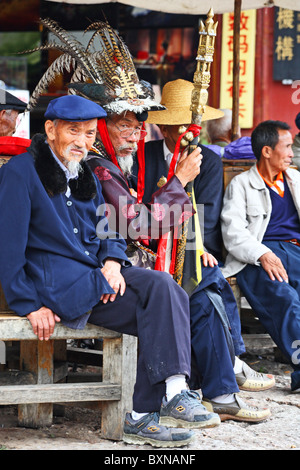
x: 126, y: 164
x: 74, y: 168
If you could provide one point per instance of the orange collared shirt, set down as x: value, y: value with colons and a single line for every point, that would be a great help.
x: 277, y: 185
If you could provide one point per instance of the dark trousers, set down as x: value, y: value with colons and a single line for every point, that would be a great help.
x: 156, y: 310
x: 277, y: 304
x: 211, y: 352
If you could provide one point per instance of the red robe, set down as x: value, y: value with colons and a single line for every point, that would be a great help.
x: 140, y: 222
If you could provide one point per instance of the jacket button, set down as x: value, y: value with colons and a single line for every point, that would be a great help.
x: 75, y: 230
x: 69, y: 203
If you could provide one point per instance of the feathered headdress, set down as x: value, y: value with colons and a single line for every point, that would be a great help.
x: 106, y: 75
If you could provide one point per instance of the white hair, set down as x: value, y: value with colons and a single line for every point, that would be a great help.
x: 126, y: 164
x: 217, y: 128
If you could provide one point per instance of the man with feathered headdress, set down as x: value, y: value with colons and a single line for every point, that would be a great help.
x: 215, y: 323
x: 127, y: 102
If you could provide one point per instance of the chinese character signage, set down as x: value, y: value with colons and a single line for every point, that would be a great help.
x: 247, y: 65
x: 286, y: 63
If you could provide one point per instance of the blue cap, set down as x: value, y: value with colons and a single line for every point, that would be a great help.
x: 73, y: 108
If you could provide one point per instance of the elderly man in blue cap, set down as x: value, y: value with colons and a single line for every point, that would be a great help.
x: 54, y: 267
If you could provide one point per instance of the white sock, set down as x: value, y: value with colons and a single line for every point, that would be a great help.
x: 228, y: 398
x: 238, y: 365
x: 175, y: 384
x: 136, y: 416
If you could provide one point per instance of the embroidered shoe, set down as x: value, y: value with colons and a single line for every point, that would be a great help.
x: 147, y: 430
x: 253, y: 381
x: 237, y: 410
x: 185, y: 410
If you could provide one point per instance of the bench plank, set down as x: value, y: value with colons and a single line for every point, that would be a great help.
x: 35, y: 402
x: 14, y: 328
x: 59, y: 393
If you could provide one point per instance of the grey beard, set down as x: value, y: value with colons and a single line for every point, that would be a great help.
x: 74, y: 168
x: 126, y: 164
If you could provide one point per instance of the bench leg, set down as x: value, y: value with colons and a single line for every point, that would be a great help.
x: 2, y: 352
x: 236, y: 292
x: 119, y: 366
x: 37, y: 357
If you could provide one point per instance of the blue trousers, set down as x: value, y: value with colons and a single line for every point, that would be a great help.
x: 156, y: 310
x: 211, y: 355
x: 277, y: 304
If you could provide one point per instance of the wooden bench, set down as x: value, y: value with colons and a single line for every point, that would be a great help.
x: 40, y: 388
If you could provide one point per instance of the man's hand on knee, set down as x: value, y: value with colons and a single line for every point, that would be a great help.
x: 43, y: 322
x: 209, y: 260
x: 274, y: 267
x: 111, y: 272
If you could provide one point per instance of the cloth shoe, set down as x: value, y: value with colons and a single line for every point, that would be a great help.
x: 147, y: 430
x: 185, y: 410
x: 238, y: 410
x: 253, y: 381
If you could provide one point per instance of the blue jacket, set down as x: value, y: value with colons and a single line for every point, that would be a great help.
x: 50, y: 254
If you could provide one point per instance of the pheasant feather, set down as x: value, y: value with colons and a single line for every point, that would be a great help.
x: 106, y: 74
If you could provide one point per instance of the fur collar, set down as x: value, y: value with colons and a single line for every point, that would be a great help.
x: 53, y: 177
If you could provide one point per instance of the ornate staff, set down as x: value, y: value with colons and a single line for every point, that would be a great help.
x: 199, y: 98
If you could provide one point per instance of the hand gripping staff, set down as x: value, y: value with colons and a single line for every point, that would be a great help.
x: 187, y: 269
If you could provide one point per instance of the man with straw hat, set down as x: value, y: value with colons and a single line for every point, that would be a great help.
x: 208, y: 186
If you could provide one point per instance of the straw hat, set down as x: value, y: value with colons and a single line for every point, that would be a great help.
x: 176, y: 97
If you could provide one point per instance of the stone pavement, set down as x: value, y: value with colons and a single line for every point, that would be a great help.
x: 79, y: 429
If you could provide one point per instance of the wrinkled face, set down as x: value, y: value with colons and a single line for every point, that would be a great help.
x: 8, y: 120
x: 71, y: 141
x: 171, y: 135
x: 117, y: 125
x: 281, y: 156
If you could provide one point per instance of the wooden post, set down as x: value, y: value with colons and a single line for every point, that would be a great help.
x: 236, y: 70
x: 119, y: 367
x: 37, y: 357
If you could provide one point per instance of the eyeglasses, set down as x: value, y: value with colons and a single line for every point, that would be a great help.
x: 126, y: 132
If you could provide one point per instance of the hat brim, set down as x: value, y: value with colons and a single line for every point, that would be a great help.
x: 20, y: 109
x: 181, y: 115
x: 9, y: 101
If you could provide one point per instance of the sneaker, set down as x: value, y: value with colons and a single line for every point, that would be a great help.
x: 185, y: 410
x: 147, y: 430
x: 253, y: 381
x: 237, y: 410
